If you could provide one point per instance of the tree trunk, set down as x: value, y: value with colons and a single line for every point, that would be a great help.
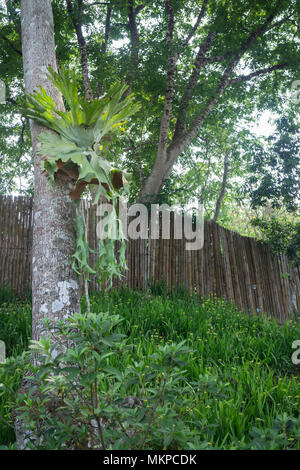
x: 55, y: 288
x: 153, y: 184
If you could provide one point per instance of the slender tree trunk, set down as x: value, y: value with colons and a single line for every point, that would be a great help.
x: 82, y: 47
x: 223, y: 188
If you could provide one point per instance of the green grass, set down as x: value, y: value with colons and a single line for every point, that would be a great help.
x: 15, y: 331
x: 247, y: 358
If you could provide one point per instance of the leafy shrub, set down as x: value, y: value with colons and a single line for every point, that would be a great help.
x: 15, y: 325
x: 283, y: 237
x: 283, y: 434
x: 77, y: 400
x: 15, y: 331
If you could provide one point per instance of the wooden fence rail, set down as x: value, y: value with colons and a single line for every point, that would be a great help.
x: 229, y: 266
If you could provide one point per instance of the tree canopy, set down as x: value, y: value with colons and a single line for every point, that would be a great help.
x: 196, y: 67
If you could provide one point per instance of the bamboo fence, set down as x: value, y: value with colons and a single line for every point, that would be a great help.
x: 228, y: 266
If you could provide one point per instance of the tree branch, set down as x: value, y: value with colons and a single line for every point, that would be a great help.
x: 104, y: 45
x: 11, y: 44
x: 107, y: 30
x: 215, y: 59
x: 193, y: 80
x: 134, y: 38
x: 12, y: 101
x: 281, y: 22
x: 243, y: 78
x: 124, y: 25
x: 169, y: 96
x: 208, y: 160
x: 137, y: 154
x: 82, y: 48
x: 179, y: 143
x: 139, y: 8
x: 196, y: 25
x: 98, y: 3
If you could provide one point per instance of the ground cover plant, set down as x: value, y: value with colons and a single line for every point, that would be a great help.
x: 170, y: 371
x: 15, y: 328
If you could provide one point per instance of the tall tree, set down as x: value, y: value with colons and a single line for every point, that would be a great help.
x: 55, y: 288
x: 185, y: 60
x: 243, y: 29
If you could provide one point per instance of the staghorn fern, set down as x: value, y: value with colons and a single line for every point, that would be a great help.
x: 78, y: 143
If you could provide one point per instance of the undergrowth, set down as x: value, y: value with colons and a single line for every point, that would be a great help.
x: 239, y: 373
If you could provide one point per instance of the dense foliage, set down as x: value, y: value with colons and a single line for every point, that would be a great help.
x: 282, y: 236
x: 275, y: 170
x: 237, y: 388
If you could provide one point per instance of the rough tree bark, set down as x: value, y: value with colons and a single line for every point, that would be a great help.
x: 55, y: 288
